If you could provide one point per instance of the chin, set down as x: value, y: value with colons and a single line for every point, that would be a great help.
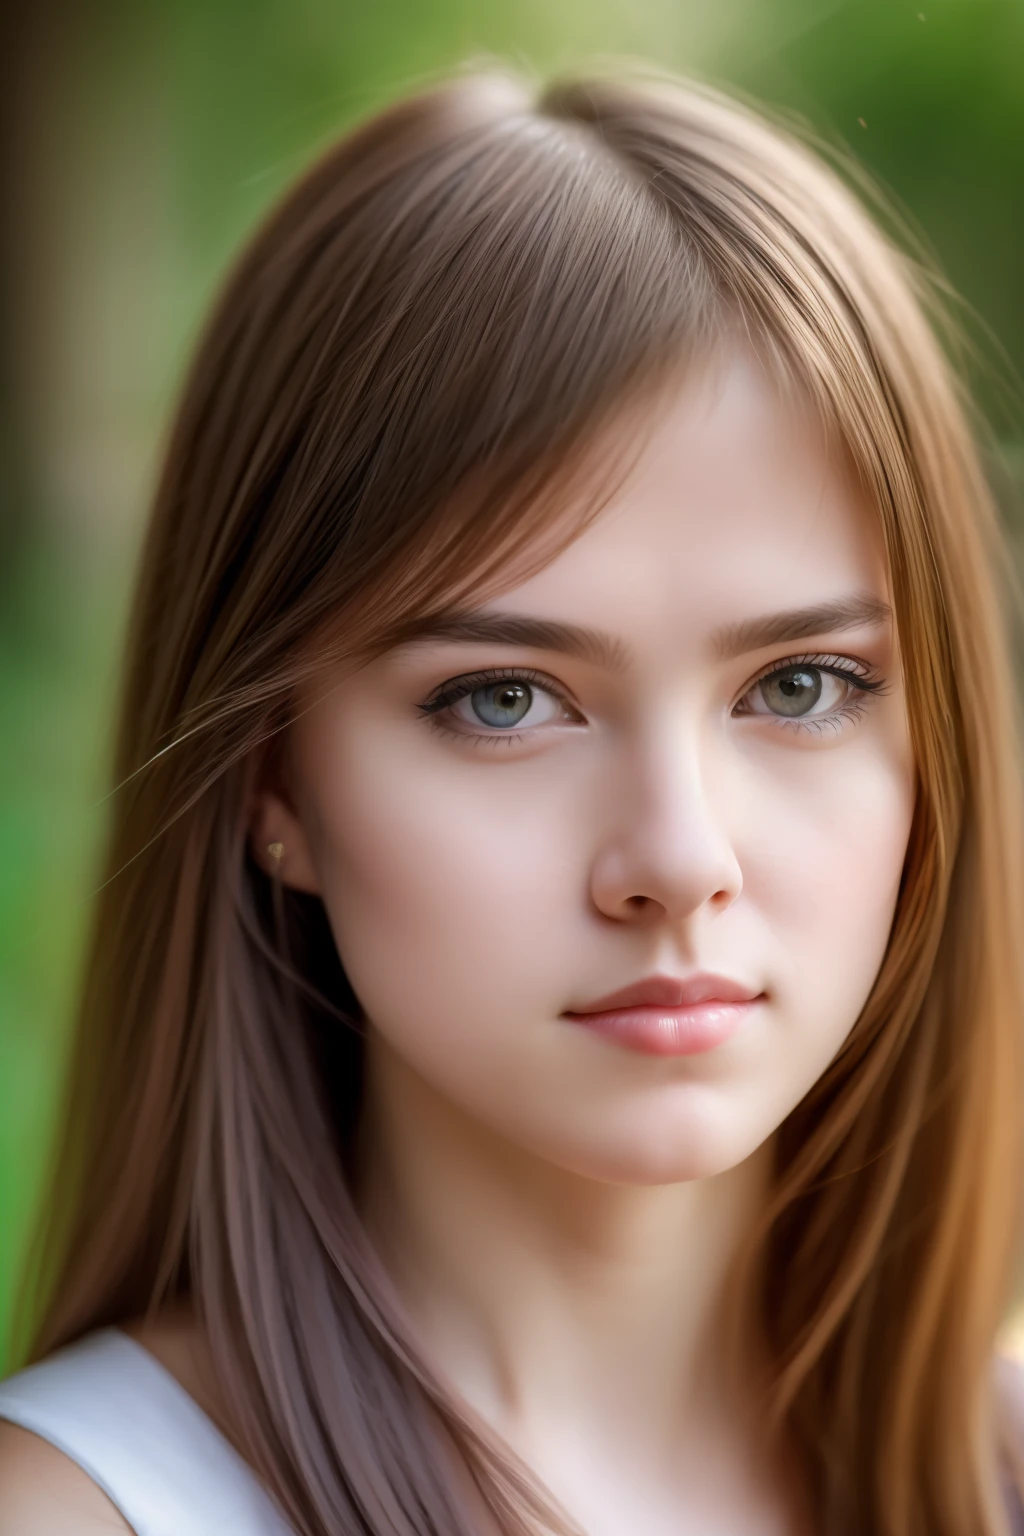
x: 653, y: 1156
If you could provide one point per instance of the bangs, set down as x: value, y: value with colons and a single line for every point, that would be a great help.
x: 527, y: 291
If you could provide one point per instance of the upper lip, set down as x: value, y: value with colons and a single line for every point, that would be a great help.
x: 673, y: 992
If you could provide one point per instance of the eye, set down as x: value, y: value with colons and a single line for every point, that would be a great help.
x: 510, y: 702
x: 819, y: 689
x: 797, y: 691
x: 498, y: 702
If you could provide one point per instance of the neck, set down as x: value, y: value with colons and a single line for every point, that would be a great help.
x: 545, y: 1297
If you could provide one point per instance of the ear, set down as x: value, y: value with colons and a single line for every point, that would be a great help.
x: 274, y: 825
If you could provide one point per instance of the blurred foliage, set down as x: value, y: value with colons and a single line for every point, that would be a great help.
x: 143, y: 140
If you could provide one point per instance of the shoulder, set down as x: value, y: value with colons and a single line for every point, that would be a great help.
x: 44, y: 1493
x: 1009, y: 1412
x: 1009, y: 1385
x: 106, y: 1411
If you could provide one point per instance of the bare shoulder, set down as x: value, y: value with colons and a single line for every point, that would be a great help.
x: 1009, y: 1378
x: 1009, y: 1384
x: 44, y: 1493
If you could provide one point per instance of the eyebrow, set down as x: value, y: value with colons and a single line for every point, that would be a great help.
x: 591, y: 645
x: 604, y: 650
x: 854, y: 612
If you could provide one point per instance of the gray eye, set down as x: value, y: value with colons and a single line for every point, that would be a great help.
x: 507, y: 702
x: 504, y: 703
x: 793, y: 691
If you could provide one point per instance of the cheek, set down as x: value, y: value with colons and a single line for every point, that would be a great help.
x: 823, y: 847
x: 823, y: 869
x: 443, y: 894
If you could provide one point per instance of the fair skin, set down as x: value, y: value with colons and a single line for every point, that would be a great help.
x: 560, y: 1210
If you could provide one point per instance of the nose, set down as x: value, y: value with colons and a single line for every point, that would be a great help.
x: 668, y: 850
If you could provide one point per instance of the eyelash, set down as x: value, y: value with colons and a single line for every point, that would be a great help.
x: 457, y: 688
x: 866, y: 684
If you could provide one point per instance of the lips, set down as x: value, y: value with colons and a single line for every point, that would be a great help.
x: 672, y: 992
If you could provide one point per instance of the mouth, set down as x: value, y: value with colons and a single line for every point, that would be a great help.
x: 670, y: 1016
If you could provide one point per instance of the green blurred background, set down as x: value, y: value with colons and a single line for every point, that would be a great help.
x: 141, y: 141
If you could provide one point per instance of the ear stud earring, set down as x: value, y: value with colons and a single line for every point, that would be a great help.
x: 276, y: 850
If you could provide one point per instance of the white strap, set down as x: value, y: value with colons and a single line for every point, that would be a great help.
x: 112, y: 1408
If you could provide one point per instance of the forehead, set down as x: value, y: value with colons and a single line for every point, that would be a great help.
x: 735, y: 505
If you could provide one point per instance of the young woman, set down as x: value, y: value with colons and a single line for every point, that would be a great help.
x: 550, y: 1053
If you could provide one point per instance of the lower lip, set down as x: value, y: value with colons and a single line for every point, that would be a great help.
x: 668, y: 1031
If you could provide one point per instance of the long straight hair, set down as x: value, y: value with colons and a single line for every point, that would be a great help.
x: 400, y: 386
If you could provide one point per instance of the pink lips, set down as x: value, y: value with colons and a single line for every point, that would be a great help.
x: 670, y: 1016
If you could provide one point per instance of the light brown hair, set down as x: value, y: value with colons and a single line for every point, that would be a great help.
x: 396, y: 389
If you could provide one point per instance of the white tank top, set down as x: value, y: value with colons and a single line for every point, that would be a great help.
x: 112, y: 1408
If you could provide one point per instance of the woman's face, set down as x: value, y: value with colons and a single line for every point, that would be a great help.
x: 686, y: 758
